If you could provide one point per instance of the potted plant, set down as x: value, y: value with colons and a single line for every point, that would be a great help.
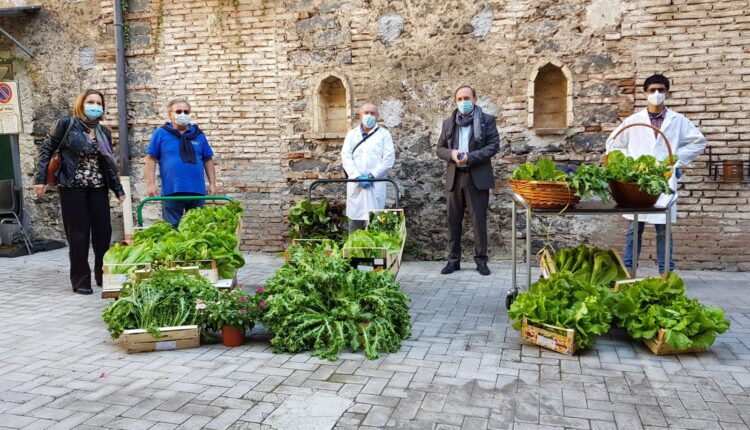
x: 233, y: 313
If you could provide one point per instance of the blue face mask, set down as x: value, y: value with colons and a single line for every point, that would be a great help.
x: 369, y: 121
x: 92, y: 111
x: 465, y: 106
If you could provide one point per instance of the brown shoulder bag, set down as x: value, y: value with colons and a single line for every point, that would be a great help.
x: 54, y: 162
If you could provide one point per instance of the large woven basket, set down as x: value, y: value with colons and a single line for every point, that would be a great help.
x: 629, y: 195
x: 545, y: 194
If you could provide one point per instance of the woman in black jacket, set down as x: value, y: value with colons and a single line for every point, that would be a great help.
x: 88, y: 170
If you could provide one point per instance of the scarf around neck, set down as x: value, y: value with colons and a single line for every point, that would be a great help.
x: 187, y: 152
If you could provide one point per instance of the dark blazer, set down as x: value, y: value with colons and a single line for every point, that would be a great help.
x: 485, y: 144
x: 70, y: 154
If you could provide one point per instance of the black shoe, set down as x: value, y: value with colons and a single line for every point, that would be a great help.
x: 483, y: 269
x: 85, y: 290
x: 450, y: 268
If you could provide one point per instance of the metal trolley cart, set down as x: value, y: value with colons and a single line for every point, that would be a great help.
x: 583, y: 208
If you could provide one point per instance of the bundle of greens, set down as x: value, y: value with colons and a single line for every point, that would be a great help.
x: 323, y: 305
x: 590, y: 265
x: 366, y: 243
x: 646, y: 306
x: 589, y: 181
x: 564, y: 301
x: 388, y: 222
x: 315, y: 245
x: 206, y: 233
x: 165, y: 299
x: 543, y: 170
x: 316, y: 221
x: 652, y: 176
x: 124, y: 259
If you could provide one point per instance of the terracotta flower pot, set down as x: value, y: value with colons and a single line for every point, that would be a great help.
x: 232, y: 336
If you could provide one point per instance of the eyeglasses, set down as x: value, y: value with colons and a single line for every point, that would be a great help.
x: 180, y: 112
x: 657, y: 90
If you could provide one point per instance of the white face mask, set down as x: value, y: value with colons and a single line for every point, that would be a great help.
x: 182, y: 119
x: 657, y: 98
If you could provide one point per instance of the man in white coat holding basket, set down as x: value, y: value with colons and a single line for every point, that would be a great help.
x: 367, y: 154
x: 685, y: 141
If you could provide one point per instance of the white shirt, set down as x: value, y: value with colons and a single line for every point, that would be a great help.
x: 463, y: 138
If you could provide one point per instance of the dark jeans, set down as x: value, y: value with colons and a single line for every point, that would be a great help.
x: 661, y: 237
x: 172, y: 211
x: 465, y: 195
x: 86, y: 218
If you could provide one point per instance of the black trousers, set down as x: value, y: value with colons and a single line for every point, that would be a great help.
x: 465, y: 195
x: 86, y: 218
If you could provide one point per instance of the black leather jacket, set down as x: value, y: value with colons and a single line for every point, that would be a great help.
x: 70, y: 153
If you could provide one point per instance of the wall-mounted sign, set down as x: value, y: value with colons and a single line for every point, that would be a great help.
x: 10, y: 108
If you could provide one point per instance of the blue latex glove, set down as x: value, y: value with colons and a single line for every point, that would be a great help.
x: 460, y: 155
x: 678, y: 173
x: 364, y: 185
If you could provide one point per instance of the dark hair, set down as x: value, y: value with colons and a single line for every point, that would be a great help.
x: 473, y: 92
x: 656, y: 79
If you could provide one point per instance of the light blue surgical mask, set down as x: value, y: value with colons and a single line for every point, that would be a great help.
x: 369, y: 121
x: 465, y: 106
x: 182, y: 119
x: 92, y: 111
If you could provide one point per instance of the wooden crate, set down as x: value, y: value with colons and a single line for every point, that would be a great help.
x: 658, y: 346
x: 180, y: 337
x: 112, y: 282
x: 211, y: 273
x: 557, y: 339
x: 393, y: 260
x: 548, y: 267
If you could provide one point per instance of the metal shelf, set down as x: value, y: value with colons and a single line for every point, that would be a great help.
x: 716, y: 168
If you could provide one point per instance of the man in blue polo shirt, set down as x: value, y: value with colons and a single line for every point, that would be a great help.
x: 183, y: 154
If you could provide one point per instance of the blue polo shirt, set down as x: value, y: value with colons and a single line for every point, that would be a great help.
x: 176, y: 175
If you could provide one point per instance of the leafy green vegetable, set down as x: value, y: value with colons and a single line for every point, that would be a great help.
x: 316, y: 221
x: 589, y: 181
x: 123, y: 259
x: 565, y: 301
x: 361, y: 243
x: 386, y: 221
x: 224, y: 218
x: 544, y: 170
x: 652, y: 176
x: 163, y: 300
x: 323, y: 305
x: 590, y: 265
x: 651, y: 304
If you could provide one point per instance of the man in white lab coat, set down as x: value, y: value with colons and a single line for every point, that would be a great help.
x: 367, y: 154
x: 686, y: 142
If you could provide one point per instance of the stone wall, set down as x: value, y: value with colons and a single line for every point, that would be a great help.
x: 253, y: 70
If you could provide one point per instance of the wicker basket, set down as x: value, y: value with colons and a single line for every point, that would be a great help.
x: 545, y: 194
x: 629, y: 195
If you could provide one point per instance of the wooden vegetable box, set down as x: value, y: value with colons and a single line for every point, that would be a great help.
x: 390, y: 261
x: 180, y: 337
x: 548, y: 267
x: 112, y: 282
x: 557, y: 339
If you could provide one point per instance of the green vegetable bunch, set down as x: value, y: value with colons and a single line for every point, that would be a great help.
x: 543, y: 170
x: 589, y: 181
x: 563, y: 300
x: 652, y: 176
x: 124, y: 258
x: 365, y: 243
x: 316, y: 221
x: 646, y: 306
x: 224, y: 218
x: 386, y: 221
x: 165, y: 299
x: 323, y: 305
x: 590, y: 265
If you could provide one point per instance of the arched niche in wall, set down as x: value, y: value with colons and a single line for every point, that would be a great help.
x: 550, y: 98
x: 332, y: 107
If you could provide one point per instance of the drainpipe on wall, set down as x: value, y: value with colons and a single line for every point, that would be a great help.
x: 122, y: 119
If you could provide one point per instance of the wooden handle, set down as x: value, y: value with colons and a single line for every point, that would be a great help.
x: 643, y: 124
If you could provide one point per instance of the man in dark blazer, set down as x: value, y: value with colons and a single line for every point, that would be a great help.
x: 468, y: 140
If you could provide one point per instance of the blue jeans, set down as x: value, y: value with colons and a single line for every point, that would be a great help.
x: 661, y: 236
x: 172, y: 211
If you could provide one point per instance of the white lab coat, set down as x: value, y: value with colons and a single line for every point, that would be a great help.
x: 373, y: 157
x: 684, y: 138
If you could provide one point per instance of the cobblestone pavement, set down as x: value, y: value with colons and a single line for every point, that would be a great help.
x: 463, y: 367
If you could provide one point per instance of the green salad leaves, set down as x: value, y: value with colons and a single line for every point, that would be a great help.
x: 652, y: 176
